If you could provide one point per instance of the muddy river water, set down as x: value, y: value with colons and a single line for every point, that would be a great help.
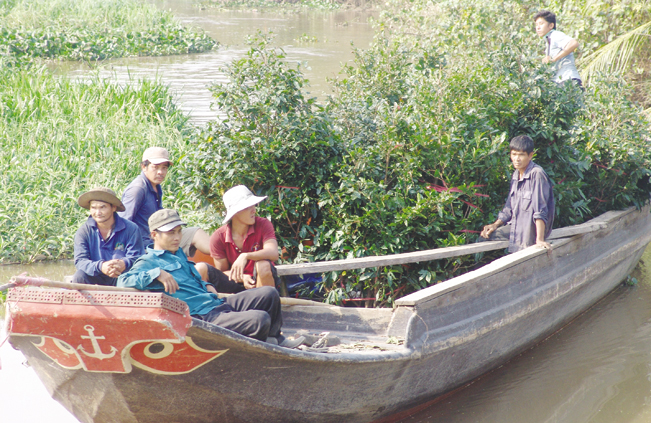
x: 597, y: 369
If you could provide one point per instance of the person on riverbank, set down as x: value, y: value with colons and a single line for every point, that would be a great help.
x: 245, y: 246
x: 255, y: 313
x: 144, y: 196
x: 106, y: 245
x: 559, y: 47
x: 530, y: 204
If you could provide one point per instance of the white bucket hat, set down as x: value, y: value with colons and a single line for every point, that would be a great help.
x: 237, y: 199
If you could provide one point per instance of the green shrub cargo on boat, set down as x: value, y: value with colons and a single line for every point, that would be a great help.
x: 412, y: 150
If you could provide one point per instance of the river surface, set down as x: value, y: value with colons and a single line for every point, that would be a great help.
x: 597, y: 369
x: 319, y: 41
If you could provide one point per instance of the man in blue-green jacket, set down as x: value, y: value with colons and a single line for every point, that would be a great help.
x: 165, y: 267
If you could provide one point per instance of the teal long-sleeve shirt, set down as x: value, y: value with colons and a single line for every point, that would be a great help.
x: 192, y: 289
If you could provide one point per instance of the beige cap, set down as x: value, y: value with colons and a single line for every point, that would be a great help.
x: 164, y: 220
x: 100, y: 194
x: 156, y: 155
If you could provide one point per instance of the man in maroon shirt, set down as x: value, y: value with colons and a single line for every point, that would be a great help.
x: 245, y: 247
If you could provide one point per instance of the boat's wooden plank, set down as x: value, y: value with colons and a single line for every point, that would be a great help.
x: 379, y: 261
x: 289, y: 301
x: 577, y: 230
x: 450, y: 285
x: 418, y: 256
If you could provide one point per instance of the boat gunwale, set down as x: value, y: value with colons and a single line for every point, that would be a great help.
x: 432, y: 292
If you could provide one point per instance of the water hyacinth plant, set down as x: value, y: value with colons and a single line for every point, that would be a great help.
x: 93, y: 30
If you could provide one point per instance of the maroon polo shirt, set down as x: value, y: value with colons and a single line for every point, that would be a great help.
x: 223, y: 247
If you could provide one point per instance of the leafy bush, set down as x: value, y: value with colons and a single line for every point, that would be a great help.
x: 274, y: 140
x: 412, y: 151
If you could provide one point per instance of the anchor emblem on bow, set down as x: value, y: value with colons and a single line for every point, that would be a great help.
x: 97, y: 349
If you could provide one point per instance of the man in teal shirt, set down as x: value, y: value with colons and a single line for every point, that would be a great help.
x: 165, y: 267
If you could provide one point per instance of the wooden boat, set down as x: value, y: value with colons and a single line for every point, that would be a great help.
x: 112, y: 356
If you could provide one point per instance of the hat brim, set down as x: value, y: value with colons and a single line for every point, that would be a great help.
x: 159, y: 161
x: 85, y: 199
x: 169, y: 226
x: 251, y: 201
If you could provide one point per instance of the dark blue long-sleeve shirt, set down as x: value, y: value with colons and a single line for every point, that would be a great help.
x: 530, y: 198
x: 141, y: 200
x: 91, y: 250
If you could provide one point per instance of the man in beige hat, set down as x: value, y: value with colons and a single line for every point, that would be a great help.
x: 106, y: 245
x: 144, y: 196
x: 245, y: 247
x: 255, y: 313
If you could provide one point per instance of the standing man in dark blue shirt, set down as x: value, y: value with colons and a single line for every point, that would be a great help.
x: 144, y: 196
x: 106, y: 245
x: 530, y: 203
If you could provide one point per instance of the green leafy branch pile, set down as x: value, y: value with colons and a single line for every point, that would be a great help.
x: 412, y: 151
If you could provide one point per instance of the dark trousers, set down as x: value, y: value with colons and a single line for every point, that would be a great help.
x: 254, y: 312
x: 101, y: 279
x: 221, y: 282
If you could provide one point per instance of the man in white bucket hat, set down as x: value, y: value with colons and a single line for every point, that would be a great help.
x: 144, y: 196
x: 105, y: 245
x: 245, y: 247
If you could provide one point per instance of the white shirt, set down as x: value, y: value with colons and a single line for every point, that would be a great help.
x: 555, y: 42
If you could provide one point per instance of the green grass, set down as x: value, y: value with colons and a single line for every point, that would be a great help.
x: 59, y: 138
x: 93, y: 30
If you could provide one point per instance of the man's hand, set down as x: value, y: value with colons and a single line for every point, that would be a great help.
x: 249, y: 282
x: 168, y: 282
x: 547, y: 59
x: 113, y: 268
x: 237, y: 269
x: 543, y: 244
x: 488, y: 230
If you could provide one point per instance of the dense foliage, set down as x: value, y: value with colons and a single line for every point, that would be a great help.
x: 412, y: 151
x: 93, y: 30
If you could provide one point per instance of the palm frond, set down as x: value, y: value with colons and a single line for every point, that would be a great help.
x: 616, y: 55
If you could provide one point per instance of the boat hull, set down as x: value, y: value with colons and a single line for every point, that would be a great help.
x: 453, y: 332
